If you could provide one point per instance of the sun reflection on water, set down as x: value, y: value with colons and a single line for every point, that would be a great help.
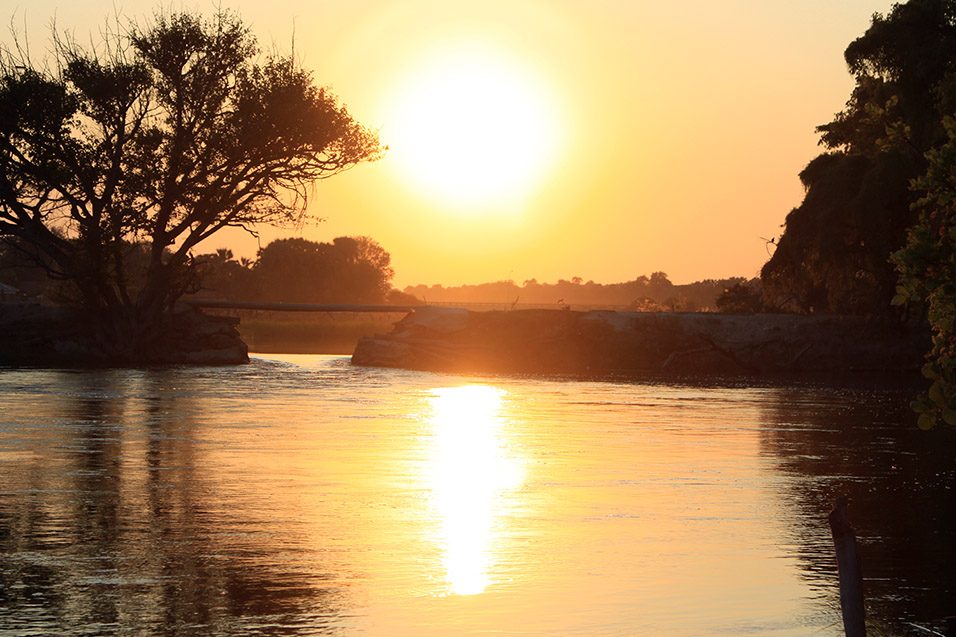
x: 470, y: 470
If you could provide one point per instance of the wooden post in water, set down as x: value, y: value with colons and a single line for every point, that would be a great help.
x: 851, y: 573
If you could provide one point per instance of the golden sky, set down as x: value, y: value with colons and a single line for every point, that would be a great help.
x: 550, y: 139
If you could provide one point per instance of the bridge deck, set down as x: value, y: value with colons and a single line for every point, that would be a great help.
x: 299, y: 307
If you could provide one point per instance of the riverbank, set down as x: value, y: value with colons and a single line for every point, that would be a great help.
x: 596, y: 343
x: 636, y: 343
x: 38, y: 335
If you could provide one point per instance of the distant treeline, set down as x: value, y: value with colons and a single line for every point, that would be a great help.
x: 653, y: 293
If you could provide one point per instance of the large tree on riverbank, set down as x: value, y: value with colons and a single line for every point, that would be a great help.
x: 834, y: 251
x: 116, y: 162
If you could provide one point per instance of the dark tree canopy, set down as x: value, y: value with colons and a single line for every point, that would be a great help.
x: 115, y: 163
x: 834, y: 252
x: 348, y: 270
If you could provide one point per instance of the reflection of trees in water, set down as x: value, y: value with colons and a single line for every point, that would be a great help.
x: 901, y: 481
x: 112, y: 528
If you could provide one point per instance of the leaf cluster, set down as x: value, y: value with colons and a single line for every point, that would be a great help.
x: 927, y: 271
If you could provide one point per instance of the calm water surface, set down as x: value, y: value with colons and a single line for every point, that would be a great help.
x: 302, y: 496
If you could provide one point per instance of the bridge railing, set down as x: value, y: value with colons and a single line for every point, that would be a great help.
x: 298, y: 307
x: 342, y: 307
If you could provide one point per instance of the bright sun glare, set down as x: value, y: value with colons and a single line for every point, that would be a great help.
x: 473, y: 130
x: 470, y: 470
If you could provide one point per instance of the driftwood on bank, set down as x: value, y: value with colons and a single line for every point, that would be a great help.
x: 672, y: 344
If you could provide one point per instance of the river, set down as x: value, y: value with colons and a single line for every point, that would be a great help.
x: 299, y: 495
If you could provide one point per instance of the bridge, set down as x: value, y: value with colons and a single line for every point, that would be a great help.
x: 299, y: 307
x: 386, y: 309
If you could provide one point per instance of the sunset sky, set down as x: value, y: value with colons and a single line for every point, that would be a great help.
x: 553, y: 139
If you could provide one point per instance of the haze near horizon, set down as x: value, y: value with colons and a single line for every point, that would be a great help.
x: 550, y: 140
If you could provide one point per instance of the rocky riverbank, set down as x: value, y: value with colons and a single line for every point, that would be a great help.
x: 650, y: 344
x: 38, y: 335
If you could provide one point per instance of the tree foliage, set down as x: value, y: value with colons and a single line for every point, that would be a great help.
x: 834, y: 251
x: 296, y: 270
x: 116, y: 162
x: 348, y: 270
x: 927, y: 267
x: 743, y: 297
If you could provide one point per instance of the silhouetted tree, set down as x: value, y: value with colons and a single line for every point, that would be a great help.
x: 221, y: 275
x: 397, y: 297
x: 290, y: 270
x: 348, y: 270
x: 365, y: 273
x: 833, y: 254
x: 743, y: 297
x: 151, y: 143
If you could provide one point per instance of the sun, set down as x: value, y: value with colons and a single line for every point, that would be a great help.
x: 473, y: 129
